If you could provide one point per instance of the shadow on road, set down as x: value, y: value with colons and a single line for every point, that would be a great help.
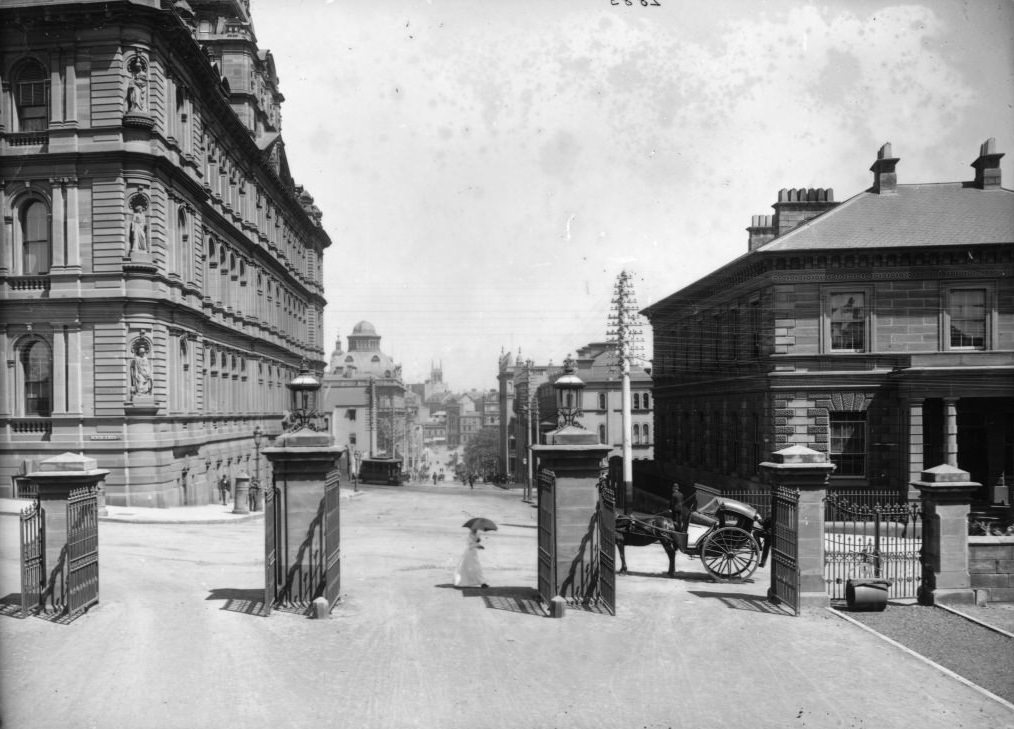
x: 750, y: 603
x: 248, y: 602
x: 524, y: 600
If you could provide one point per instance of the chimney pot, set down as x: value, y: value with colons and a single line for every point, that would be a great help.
x: 885, y: 179
x: 987, y: 166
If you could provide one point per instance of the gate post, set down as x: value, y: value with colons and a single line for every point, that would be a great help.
x: 55, y: 479
x: 946, y: 494
x: 306, y: 537
x: 806, y: 471
x: 578, y: 576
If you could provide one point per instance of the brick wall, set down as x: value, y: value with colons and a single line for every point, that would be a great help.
x: 991, y: 566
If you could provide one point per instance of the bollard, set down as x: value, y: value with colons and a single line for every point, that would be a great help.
x: 321, y: 609
x: 557, y: 607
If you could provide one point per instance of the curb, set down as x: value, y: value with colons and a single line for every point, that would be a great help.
x: 995, y: 629
x: 946, y: 671
x: 169, y: 520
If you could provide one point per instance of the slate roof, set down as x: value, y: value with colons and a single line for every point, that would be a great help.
x: 950, y: 213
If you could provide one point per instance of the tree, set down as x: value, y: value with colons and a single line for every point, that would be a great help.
x: 482, y: 453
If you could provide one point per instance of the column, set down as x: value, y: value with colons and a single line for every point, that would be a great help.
x: 915, y: 441
x: 807, y: 471
x: 59, y: 221
x: 59, y: 370
x: 72, y: 242
x: 73, y: 349
x: 946, y: 493
x: 951, y: 431
x: 70, y: 91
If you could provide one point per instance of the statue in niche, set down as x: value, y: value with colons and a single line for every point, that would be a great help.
x: 137, y: 87
x: 138, y: 232
x: 140, y: 369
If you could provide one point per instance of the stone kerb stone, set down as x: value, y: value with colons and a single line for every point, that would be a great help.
x: 806, y: 470
x: 946, y: 493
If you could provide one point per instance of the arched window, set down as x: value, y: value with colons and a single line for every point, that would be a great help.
x: 36, y: 373
x: 637, y: 402
x: 602, y: 402
x: 644, y: 434
x: 35, y: 247
x: 646, y: 402
x: 602, y: 434
x: 636, y: 434
x: 31, y: 97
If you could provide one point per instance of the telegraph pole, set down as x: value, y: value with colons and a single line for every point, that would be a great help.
x: 625, y: 333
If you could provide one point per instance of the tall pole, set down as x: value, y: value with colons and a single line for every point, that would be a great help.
x: 625, y: 332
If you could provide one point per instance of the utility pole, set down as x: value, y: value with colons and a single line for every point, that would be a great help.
x: 625, y: 333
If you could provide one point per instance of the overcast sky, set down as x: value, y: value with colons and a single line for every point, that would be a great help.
x: 486, y: 169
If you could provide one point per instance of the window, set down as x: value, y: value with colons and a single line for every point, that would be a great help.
x: 848, y: 443
x: 637, y: 434
x: 31, y: 97
x: 602, y: 434
x: 34, y: 228
x: 645, y: 402
x: 644, y: 434
x: 848, y: 322
x: 37, y: 378
x: 350, y: 413
x: 966, y: 311
x: 637, y: 402
x: 602, y: 402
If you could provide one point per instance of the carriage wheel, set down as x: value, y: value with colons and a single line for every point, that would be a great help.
x: 730, y: 553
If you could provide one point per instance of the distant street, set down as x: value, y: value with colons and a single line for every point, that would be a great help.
x: 171, y: 646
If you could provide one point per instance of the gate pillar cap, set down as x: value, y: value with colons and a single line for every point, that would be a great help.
x: 946, y: 480
x: 798, y: 457
x: 68, y: 462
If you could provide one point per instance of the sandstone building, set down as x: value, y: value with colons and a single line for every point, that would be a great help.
x: 160, y: 270
x: 878, y: 330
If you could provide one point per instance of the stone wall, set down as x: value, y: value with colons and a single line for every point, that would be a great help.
x: 991, y: 566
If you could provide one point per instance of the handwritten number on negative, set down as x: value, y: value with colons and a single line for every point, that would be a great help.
x: 644, y: 3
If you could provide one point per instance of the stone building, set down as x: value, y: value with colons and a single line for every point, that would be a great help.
x: 879, y: 330
x: 160, y: 270
x: 372, y: 412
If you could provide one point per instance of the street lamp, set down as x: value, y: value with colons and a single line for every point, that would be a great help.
x: 304, y: 387
x: 568, y: 395
x: 258, y: 437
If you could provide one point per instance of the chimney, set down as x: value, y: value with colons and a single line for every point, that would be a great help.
x: 796, y: 206
x: 885, y: 180
x: 761, y: 230
x: 987, y: 166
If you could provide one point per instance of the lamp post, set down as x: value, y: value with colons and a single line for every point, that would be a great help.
x: 258, y: 492
x: 568, y: 395
x: 304, y: 387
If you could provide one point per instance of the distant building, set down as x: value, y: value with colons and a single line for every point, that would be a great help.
x: 160, y: 269
x: 372, y: 412
x: 879, y: 331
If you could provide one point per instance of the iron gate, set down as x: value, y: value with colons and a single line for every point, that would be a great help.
x: 270, y: 547
x: 332, y: 538
x: 872, y: 541
x: 784, y: 546
x: 547, y: 535
x: 82, y: 549
x: 607, y: 545
x: 33, y: 557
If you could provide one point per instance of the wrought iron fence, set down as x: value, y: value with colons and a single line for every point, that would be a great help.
x: 882, y: 540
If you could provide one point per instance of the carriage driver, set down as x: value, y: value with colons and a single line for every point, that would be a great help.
x: 678, y: 509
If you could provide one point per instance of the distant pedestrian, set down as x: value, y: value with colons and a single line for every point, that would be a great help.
x: 434, y: 478
x: 469, y: 572
x: 471, y: 480
x: 223, y: 489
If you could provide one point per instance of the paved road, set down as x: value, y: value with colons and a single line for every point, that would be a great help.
x: 170, y: 646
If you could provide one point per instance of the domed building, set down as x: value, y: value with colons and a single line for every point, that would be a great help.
x: 371, y: 412
x: 363, y: 358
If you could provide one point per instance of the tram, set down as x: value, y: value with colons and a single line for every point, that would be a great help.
x: 385, y: 471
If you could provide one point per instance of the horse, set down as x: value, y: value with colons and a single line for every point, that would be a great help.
x: 640, y: 532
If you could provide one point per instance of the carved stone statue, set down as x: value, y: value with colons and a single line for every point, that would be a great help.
x: 137, y: 88
x: 138, y: 232
x: 140, y: 370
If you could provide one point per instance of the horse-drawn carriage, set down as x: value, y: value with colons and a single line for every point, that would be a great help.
x: 730, y: 538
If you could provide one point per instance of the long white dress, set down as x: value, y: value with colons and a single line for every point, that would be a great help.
x: 469, y: 572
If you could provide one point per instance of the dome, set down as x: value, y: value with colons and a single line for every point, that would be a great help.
x: 364, y: 328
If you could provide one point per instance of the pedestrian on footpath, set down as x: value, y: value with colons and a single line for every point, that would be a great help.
x: 469, y: 572
x: 223, y: 488
x: 471, y: 480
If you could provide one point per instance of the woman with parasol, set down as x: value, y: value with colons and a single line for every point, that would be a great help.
x: 469, y: 572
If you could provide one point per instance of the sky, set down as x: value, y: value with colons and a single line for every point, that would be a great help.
x: 487, y: 169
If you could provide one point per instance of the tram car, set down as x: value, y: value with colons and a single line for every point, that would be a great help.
x: 382, y: 471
